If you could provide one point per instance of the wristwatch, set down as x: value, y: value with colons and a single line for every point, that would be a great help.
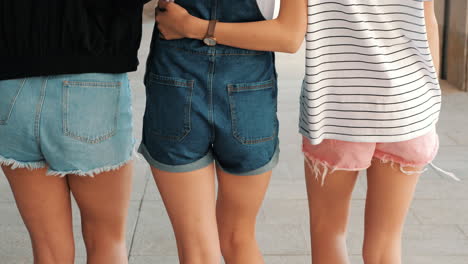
x: 210, y: 39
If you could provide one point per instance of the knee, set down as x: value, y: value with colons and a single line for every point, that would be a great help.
x: 328, y: 225
x: 201, y: 258
x: 232, y: 240
x: 382, y: 249
x: 48, y: 252
x: 98, y: 235
x: 200, y: 253
x: 198, y: 247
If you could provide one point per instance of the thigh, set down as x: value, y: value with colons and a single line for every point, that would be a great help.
x: 389, y: 195
x: 44, y: 204
x: 331, y: 172
x: 329, y: 206
x: 329, y: 202
x: 104, y: 199
x: 240, y: 198
x: 190, y: 203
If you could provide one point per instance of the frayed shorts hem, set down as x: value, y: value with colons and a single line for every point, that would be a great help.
x: 322, y: 169
x: 14, y: 164
x: 90, y: 173
x: 50, y: 172
x: 314, y: 162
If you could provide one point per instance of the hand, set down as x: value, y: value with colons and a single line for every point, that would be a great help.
x: 173, y: 20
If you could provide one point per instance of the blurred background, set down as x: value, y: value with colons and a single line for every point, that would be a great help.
x: 453, y: 23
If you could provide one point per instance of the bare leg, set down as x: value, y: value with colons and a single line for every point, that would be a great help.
x: 329, y: 207
x: 103, y: 202
x: 389, y: 196
x: 44, y: 204
x: 239, y: 200
x: 190, y: 202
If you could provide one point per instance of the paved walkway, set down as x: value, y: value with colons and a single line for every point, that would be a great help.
x: 436, y: 232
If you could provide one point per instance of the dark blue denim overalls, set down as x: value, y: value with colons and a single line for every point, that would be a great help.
x: 208, y: 104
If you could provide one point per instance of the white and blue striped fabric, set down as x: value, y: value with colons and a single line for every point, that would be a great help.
x: 370, y: 75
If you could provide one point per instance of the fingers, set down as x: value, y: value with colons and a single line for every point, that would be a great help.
x: 161, y: 27
x: 168, y: 19
x: 163, y: 5
x: 161, y: 10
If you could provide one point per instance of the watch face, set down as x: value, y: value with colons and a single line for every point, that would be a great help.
x: 210, y: 42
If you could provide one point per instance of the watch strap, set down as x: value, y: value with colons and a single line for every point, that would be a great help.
x: 211, y: 29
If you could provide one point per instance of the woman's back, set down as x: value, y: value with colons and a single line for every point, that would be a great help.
x: 206, y: 105
x: 371, y: 59
x: 223, y: 11
x: 69, y: 36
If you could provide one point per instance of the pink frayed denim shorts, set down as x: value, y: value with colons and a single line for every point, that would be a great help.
x: 336, y: 155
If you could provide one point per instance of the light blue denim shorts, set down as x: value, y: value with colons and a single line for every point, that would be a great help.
x: 72, y: 124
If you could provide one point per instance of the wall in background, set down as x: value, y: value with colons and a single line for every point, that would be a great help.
x: 453, y: 19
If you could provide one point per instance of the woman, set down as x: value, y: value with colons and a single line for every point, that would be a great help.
x: 65, y: 116
x: 212, y: 104
x: 370, y: 101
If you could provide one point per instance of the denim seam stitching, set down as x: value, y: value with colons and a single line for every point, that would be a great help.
x: 236, y: 134
x: 215, y: 10
x: 12, y: 104
x: 188, y: 110
x: 210, y: 85
x: 39, y: 107
x: 173, y: 83
x: 235, y: 88
x: 169, y: 81
x: 89, y: 140
x: 252, y: 87
x: 187, y: 116
x: 93, y: 84
x: 220, y: 53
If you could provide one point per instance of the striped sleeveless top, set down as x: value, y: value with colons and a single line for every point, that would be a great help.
x: 369, y: 74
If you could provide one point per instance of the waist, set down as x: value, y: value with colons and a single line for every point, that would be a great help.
x: 21, y: 67
x: 198, y: 47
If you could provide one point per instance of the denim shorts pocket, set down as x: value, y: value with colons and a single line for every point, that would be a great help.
x: 90, y: 109
x: 9, y: 91
x: 169, y: 106
x: 253, y: 111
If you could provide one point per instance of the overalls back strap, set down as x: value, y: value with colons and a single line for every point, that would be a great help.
x: 222, y: 10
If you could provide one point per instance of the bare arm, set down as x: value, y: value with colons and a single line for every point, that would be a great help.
x: 283, y: 34
x: 432, y: 33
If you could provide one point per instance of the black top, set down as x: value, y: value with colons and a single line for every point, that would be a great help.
x: 50, y: 37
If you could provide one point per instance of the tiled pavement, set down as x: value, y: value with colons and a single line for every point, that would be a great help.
x: 436, y: 231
